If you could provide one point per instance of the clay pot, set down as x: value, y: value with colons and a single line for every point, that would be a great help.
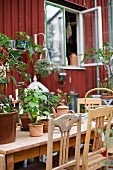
x: 25, y: 122
x: 73, y: 59
x: 45, y: 124
x: 61, y: 110
x: 7, y: 127
x: 35, y: 130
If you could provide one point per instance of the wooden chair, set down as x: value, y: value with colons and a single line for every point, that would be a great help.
x: 92, y: 90
x: 64, y: 122
x: 98, y: 157
x: 91, y: 102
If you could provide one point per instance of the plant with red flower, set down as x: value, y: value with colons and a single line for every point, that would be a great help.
x: 65, y: 99
x: 10, y: 61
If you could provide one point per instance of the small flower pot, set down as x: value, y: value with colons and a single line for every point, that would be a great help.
x: 45, y: 124
x: 73, y: 59
x: 25, y: 122
x: 35, y: 130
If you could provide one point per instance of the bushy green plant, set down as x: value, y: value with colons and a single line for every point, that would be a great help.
x: 35, y: 103
x: 43, y: 67
x: 11, y: 61
x: 46, y: 106
x: 105, y: 57
x: 5, y: 104
x: 30, y: 102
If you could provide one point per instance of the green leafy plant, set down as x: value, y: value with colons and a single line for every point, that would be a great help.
x: 105, y: 57
x: 26, y: 42
x: 43, y: 67
x: 35, y: 103
x: 30, y: 102
x: 5, y: 104
x: 10, y: 61
x: 46, y: 106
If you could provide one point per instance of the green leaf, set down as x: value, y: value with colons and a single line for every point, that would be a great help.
x: 33, y: 104
x: 14, y: 80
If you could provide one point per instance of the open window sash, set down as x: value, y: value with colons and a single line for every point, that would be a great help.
x: 90, y: 33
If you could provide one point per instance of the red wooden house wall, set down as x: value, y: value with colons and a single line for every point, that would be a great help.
x: 28, y: 16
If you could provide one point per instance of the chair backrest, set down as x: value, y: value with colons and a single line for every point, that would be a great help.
x: 100, y: 127
x: 90, y: 102
x: 96, y: 89
x: 64, y: 122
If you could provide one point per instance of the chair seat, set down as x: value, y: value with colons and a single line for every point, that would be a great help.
x: 94, y: 161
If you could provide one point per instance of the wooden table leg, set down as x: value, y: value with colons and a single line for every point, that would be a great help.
x: 2, y: 162
x: 10, y: 162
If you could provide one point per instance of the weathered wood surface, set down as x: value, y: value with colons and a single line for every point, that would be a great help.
x: 90, y: 102
x: 2, y: 162
x: 24, y: 141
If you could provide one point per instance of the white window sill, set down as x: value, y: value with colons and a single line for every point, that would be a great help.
x: 72, y: 67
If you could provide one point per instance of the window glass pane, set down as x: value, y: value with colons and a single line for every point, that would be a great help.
x: 90, y: 33
x: 55, y: 34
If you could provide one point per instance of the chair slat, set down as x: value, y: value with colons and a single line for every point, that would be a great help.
x: 65, y: 123
x: 97, y: 158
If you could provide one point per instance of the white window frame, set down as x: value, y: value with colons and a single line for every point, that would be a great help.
x: 81, y: 37
x: 80, y: 33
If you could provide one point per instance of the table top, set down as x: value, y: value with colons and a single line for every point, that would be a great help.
x: 24, y: 141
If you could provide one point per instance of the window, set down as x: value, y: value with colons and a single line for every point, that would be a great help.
x: 90, y: 32
x: 67, y: 31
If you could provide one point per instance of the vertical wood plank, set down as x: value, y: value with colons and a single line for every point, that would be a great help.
x: 1, y: 17
x: 28, y: 18
x: 2, y: 162
x: 15, y: 18
x: 22, y: 15
x: 35, y: 19
x: 7, y: 17
x: 10, y: 162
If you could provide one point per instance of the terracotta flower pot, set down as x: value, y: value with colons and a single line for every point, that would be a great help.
x: 35, y: 130
x: 25, y: 122
x: 45, y: 124
x: 73, y: 59
x: 7, y: 127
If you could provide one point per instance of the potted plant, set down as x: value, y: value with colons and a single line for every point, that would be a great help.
x: 105, y: 57
x: 29, y: 106
x: 46, y: 108
x: 43, y: 67
x: 10, y: 61
x: 36, y: 108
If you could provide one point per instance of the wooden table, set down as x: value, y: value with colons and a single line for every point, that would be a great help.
x: 26, y: 147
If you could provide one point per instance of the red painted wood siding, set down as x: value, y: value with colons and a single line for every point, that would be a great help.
x: 21, y: 15
x: 28, y: 16
x: 75, y: 79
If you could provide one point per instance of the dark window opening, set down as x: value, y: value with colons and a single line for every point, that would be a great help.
x: 71, y: 34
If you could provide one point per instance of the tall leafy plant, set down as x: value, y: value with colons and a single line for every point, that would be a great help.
x: 11, y: 61
x: 105, y: 57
